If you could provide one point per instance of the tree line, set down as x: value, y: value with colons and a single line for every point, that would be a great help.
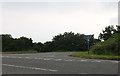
x: 68, y: 41
x: 107, y: 43
x: 15, y: 44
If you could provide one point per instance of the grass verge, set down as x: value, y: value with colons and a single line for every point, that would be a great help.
x: 93, y: 56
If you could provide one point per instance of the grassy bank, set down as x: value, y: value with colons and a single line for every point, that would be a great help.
x: 93, y: 56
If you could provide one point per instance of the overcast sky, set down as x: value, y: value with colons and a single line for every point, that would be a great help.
x: 43, y: 20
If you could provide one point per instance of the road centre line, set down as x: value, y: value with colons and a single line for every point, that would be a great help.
x: 19, y: 57
x: 33, y: 68
x: 46, y: 59
x: 7, y: 56
x: 68, y: 60
x: 96, y: 61
x: 27, y: 57
x: 82, y: 60
x: 50, y: 56
x: 37, y: 58
x: 57, y: 59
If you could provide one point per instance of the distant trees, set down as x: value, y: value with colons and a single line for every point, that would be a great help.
x: 48, y: 46
x: 68, y: 41
x: 38, y: 46
x: 15, y: 44
x: 7, y: 42
x: 23, y: 43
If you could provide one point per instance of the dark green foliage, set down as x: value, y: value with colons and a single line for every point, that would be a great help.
x: 38, y: 46
x: 109, y: 46
x: 7, y: 42
x: 15, y: 44
x: 70, y: 42
x: 62, y: 42
x: 0, y: 43
x: 107, y: 33
x: 48, y: 47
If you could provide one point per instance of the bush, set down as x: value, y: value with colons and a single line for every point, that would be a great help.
x: 110, y: 46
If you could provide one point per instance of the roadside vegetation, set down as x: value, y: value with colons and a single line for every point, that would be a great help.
x: 95, y: 56
x: 109, y: 48
x: 105, y: 47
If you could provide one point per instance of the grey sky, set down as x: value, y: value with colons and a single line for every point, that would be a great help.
x: 43, y: 20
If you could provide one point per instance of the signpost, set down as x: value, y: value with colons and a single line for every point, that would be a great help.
x: 88, y: 37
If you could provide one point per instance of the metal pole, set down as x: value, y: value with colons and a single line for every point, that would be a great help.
x: 88, y: 46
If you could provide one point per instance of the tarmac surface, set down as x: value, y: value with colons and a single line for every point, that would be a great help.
x: 55, y: 63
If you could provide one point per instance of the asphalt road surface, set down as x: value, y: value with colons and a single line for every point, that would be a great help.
x: 55, y: 63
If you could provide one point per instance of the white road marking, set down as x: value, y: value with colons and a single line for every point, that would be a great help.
x: 2, y: 56
x: 46, y: 59
x: 33, y: 68
x: 57, y: 59
x: 68, y: 60
x: 83, y: 60
x: 7, y: 56
x: 36, y: 58
x: 115, y: 61
x: 27, y: 57
x: 39, y: 58
x: 52, y: 70
x: 19, y: 57
x: 96, y: 61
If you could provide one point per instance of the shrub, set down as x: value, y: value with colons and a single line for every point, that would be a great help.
x: 110, y: 46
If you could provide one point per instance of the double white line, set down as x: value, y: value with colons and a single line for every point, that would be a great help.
x: 33, y: 68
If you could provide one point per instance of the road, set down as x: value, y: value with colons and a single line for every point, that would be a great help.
x: 55, y: 63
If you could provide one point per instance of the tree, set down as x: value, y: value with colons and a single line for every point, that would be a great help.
x: 15, y: 44
x: 26, y: 43
x: 107, y: 33
x: 38, y: 46
x: 118, y: 29
x: 70, y: 41
x: 6, y: 42
x: 109, y: 46
x: 48, y: 47
x: 111, y: 43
